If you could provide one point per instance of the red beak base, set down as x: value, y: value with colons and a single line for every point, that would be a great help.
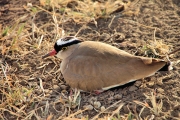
x: 52, y: 53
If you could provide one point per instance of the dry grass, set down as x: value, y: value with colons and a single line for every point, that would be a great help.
x: 21, y: 39
x: 156, y: 48
x: 155, y: 107
x: 84, y: 11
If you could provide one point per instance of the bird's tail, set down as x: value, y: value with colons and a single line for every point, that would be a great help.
x: 167, y: 66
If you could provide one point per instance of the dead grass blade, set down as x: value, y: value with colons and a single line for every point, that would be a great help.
x: 117, y: 110
x: 156, y: 107
x: 11, y: 112
x: 72, y: 115
x: 121, y: 104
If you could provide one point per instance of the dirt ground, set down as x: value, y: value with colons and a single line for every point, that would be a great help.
x: 33, y: 88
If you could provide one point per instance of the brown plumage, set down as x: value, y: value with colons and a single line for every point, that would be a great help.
x: 91, y: 65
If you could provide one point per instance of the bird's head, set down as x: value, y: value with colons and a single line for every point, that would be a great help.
x: 64, y: 47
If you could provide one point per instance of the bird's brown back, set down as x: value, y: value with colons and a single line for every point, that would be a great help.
x: 95, y: 65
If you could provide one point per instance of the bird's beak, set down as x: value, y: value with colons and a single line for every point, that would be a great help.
x: 52, y: 53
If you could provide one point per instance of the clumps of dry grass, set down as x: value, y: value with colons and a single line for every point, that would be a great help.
x: 14, y: 36
x: 86, y: 10
x: 155, y: 107
x: 106, y: 114
x: 17, y: 100
x: 14, y: 97
x: 156, y: 48
x: 21, y: 38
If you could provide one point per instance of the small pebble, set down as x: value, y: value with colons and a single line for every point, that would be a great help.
x: 103, y: 108
x: 29, y: 5
x: 88, y: 107
x: 159, y: 82
x: 118, y: 96
x: 160, y: 90
x: 47, y: 91
x: 132, y: 88
x: 92, y: 99
x: 153, y: 78
x: 137, y: 83
x: 104, y: 36
x: 48, y: 95
x: 150, y: 84
x: 55, y: 87
x: 110, y: 98
x: 97, y: 104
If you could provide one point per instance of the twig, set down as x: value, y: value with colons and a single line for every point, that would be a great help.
x: 118, y: 109
x: 171, y: 53
x: 31, y: 114
x: 55, y: 24
x: 84, y: 26
x: 46, y: 108
x: 152, y: 117
x: 142, y: 109
x: 65, y: 111
x: 174, y: 51
x: 109, y: 26
x: 13, y: 113
x: 41, y: 85
x: 76, y: 113
x: 95, y: 22
x: 155, y: 35
x: 40, y: 41
x: 95, y: 117
x: 4, y: 72
x: 33, y: 26
x: 77, y: 92
x: 18, y: 110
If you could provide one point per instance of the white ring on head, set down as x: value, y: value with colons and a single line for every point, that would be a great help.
x: 61, y: 42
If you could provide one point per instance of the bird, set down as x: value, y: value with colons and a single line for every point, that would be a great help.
x: 94, y: 65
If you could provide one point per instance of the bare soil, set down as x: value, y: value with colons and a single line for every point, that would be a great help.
x: 156, y: 19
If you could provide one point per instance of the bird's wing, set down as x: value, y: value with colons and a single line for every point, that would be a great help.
x: 92, y: 74
x: 90, y: 68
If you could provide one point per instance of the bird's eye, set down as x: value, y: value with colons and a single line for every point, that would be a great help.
x: 64, y: 48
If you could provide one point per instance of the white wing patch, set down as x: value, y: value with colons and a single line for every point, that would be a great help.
x: 62, y: 42
x: 112, y: 86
